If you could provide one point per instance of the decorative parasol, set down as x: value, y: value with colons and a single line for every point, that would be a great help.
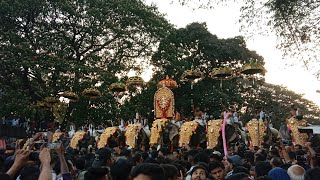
x: 135, y: 81
x: 91, y: 92
x: 253, y: 68
x: 118, y: 87
x: 73, y: 97
x: 221, y: 73
x: 168, y: 82
x: 50, y: 101
x: 191, y: 74
x: 42, y: 105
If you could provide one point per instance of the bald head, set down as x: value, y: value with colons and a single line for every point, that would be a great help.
x: 296, y: 172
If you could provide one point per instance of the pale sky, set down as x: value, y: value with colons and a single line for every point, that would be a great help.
x: 223, y: 22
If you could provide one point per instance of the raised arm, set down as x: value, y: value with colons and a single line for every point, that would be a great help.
x: 45, y: 160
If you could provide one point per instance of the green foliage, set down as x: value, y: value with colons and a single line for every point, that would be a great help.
x: 195, y: 46
x: 51, y: 46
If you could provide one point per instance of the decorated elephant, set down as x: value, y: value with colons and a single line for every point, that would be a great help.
x: 193, y: 134
x: 110, y: 134
x: 214, y: 134
x: 135, y: 136
x: 164, y: 133
x: 260, y: 133
x: 256, y: 132
x: 289, y: 131
x: 81, y: 139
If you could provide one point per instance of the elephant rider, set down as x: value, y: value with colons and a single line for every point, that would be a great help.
x: 198, y: 114
x: 122, y: 125
x: 295, y: 112
x: 230, y: 118
x: 176, y: 119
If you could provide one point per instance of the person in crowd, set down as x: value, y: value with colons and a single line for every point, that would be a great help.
x: 278, y: 174
x: 170, y: 171
x: 148, y: 171
x: 199, y: 172
x: 296, y: 172
x: 262, y: 169
x: 312, y: 174
x: 276, y: 162
x: 216, y: 170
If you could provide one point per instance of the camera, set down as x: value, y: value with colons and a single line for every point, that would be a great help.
x: 34, y: 156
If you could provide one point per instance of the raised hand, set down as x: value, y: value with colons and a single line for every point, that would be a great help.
x: 60, y: 149
x: 21, y: 159
x: 44, y: 156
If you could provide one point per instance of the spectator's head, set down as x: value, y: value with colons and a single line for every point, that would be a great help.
x: 315, y: 161
x: 273, y: 153
x: 199, y: 172
x: 180, y: 168
x: 264, y: 178
x: 262, y: 169
x: 30, y: 173
x: 278, y: 174
x: 163, y: 152
x: 191, y: 154
x: 121, y: 169
x: 216, y: 169
x: 137, y: 159
x: 201, y: 157
x: 102, y: 158
x: 276, y: 162
x: 236, y: 160
x: 170, y: 171
x: 238, y: 176
x: 259, y: 157
x: 240, y: 169
x: 292, y: 156
x: 148, y: 171
x: 296, y: 172
x: 80, y: 164
x: 97, y: 173
x: 312, y: 174
x: 215, y: 156
x: 126, y: 153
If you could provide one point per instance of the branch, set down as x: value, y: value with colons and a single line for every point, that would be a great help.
x: 97, y: 49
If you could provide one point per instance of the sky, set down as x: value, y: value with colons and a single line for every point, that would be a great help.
x: 223, y: 22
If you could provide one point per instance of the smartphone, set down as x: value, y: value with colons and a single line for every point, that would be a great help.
x: 53, y: 145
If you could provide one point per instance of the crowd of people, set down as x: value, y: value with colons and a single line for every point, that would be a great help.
x: 279, y: 160
x: 295, y: 162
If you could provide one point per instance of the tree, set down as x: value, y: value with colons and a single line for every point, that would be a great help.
x: 51, y: 46
x: 296, y: 24
x: 277, y: 100
x: 196, y: 46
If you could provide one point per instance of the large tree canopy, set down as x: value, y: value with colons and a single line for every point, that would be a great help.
x: 52, y: 46
x: 296, y: 24
x: 194, y: 46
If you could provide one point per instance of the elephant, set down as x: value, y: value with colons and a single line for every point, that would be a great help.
x: 164, y: 133
x: 136, y: 136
